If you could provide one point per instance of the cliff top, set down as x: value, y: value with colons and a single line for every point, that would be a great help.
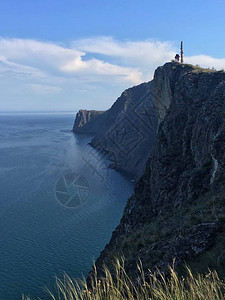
x: 189, y: 67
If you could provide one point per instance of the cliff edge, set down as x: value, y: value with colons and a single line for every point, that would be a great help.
x: 88, y: 121
x: 178, y: 206
x: 126, y: 132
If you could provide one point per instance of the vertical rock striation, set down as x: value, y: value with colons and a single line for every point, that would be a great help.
x: 178, y: 207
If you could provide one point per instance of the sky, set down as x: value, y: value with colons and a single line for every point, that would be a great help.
x: 64, y: 55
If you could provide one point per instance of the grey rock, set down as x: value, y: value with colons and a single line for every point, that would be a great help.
x: 177, y: 207
x: 126, y: 132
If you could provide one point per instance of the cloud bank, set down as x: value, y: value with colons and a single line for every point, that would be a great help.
x: 86, y: 73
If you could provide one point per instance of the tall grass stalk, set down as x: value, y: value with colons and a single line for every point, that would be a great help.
x: 156, y: 286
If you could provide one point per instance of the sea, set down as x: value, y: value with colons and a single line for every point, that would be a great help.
x: 59, y: 203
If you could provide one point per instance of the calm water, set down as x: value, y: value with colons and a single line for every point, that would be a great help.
x: 46, y: 227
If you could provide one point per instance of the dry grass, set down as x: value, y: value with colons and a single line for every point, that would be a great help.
x: 121, y: 287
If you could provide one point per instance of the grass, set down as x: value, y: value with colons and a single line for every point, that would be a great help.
x: 154, y: 286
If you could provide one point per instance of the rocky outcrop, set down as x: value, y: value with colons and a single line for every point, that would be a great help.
x: 88, y: 121
x: 178, y: 207
x: 162, y: 90
x: 126, y: 132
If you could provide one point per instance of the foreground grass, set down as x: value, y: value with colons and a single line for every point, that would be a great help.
x: 121, y: 287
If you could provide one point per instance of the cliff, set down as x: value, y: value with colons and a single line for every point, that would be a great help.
x: 88, y: 121
x: 126, y: 132
x: 178, y: 206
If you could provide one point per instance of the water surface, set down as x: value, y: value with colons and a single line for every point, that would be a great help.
x: 40, y: 235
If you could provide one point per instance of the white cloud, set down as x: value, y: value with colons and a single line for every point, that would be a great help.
x: 151, y: 51
x: 206, y: 61
x: 146, y: 55
x: 7, y: 66
x: 94, y: 70
x: 142, y: 55
x: 99, y: 67
x: 44, y: 89
x: 31, y: 55
x: 31, y: 52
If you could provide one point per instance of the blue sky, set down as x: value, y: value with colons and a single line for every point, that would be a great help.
x: 66, y: 55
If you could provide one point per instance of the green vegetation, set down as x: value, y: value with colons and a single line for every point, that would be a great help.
x: 119, y: 286
x: 194, y: 68
x: 198, y: 69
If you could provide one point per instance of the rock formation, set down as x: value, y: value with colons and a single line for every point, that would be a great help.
x: 178, y: 206
x: 126, y: 132
x: 85, y: 119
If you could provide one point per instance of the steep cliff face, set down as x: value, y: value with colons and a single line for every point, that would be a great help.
x: 126, y: 132
x: 88, y: 121
x: 178, y: 206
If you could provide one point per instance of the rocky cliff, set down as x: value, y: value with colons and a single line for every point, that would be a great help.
x: 126, y: 132
x: 178, y: 206
x: 88, y: 121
